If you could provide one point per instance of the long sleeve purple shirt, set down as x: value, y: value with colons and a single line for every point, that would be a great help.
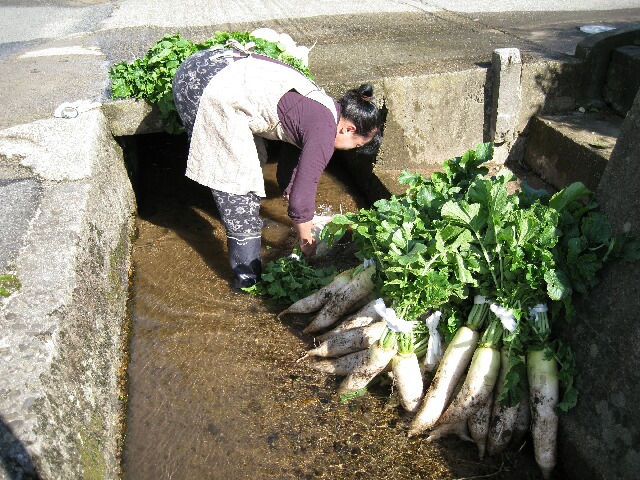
x: 311, y: 126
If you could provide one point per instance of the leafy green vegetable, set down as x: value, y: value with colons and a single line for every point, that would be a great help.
x: 566, y: 374
x: 425, y: 262
x: 347, y: 397
x: 460, y: 233
x: 286, y: 280
x: 586, y: 242
x: 151, y: 77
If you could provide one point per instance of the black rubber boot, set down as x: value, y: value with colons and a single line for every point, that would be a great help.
x: 244, y: 258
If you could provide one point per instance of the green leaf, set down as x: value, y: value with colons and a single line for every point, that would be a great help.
x: 464, y: 214
x: 286, y: 280
x: 595, y: 227
x: 566, y: 375
x: 568, y: 195
x: 558, y: 285
x: 349, y: 396
x: 515, y: 383
x: 484, y: 152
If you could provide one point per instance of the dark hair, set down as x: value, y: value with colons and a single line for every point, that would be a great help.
x: 358, y: 107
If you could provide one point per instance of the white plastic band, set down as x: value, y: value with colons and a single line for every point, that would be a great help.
x: 479, y: 300
x: 369, y: 262
x: 539, y: 308
x: 394, y: 323
x: 505, y: 316
x: 434, y: 345
x: 295, y: 256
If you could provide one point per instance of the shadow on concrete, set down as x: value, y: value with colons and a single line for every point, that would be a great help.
x: 14, y: 457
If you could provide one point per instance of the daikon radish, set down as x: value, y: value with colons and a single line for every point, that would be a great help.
x: 544, y: 394
x: 481, y: 377
x: 318, y: 299
x: 340, y: 366
x: 478, y: 423
x: 522, y: 425
x: 405, y: 368
x: 407, y: 380
x: 378, y: 357
x: 344, y: 299
x: 349, y: 341
x: 362, y: 317
x: 450, y: 370
x: 503, y: 418
x: 460, y: 429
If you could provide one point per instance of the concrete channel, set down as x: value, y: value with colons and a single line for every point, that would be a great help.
x: 67, y: 216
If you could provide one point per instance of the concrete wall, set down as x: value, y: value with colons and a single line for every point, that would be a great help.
x: 601, y: 436
x: 431, y: 118
x: 63, y: 333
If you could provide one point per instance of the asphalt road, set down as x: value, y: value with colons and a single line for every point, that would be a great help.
x: 36, y: 20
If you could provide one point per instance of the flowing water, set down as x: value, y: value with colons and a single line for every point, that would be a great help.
x: 215, y: 387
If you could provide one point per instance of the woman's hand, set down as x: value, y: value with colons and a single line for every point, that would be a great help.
x: 307, y: 243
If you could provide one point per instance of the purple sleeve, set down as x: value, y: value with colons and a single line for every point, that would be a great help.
x: 312, y: 127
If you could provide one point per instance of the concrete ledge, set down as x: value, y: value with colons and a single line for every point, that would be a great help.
x: 571, y: 148
x: 595, y: 53
x: 62, y: 335
x: 132, y: 117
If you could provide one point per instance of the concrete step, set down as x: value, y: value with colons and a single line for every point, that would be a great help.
x: 571, y: 148
x: 623, y: 78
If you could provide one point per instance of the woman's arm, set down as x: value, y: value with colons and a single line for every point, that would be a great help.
x: 307, y: 243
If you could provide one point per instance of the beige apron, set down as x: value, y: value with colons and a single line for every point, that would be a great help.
x: 237, y: 106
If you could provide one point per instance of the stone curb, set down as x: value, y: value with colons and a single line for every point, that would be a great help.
x: 63, y: 336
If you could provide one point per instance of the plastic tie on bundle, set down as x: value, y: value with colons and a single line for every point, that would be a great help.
x: 505, y: 316
x: 434, y: 345
x: 74, y: 109
x: 369, y: 262
x: 537, y: 309
x: 394, y: 323
x: 295, y: 256
x: 480, y: 299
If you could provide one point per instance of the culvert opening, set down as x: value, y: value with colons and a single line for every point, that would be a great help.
x: 215, y: 388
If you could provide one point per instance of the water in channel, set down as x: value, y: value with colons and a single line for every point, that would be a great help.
x: 215, y: 387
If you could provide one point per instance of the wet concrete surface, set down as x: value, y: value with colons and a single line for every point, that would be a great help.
x: 215, y: 388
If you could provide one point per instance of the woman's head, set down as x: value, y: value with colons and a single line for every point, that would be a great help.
x: 360, y: 123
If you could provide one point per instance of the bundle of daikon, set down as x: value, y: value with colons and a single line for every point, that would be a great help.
x: 367, y: 343
x: 459, y: 232
x: 345, y: 292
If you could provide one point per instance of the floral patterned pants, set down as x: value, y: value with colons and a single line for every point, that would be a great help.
x: 240, y: 213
